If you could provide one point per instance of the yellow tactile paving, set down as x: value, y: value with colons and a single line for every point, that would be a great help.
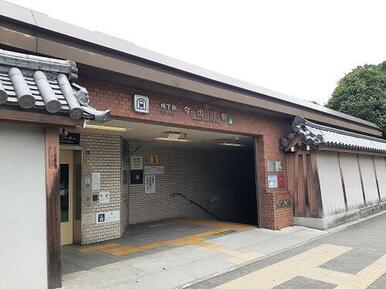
x: 286, y: 270
x: 125, y: 249
x: 217, y: 224
x: 198, y: 239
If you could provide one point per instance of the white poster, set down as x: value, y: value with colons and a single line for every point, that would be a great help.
x: 87, y: 182
x: 272, y: 182
x: 96, y: 181
x: 154, y: 170
x: 107, y: 217
x: 136, y: 163
x: 149, y: 184
x: 104, y: 197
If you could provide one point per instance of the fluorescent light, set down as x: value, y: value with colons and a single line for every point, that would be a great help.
x: 231, y: 144
x: 173, y: 139
x: 174, y: 136
x: 104, y: 127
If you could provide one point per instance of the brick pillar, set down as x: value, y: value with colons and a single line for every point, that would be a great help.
x: 271, y: 215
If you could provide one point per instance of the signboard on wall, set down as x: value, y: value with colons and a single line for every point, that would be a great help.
x: 86, y: 182
x: 104, y: 197
x: 270, y: 166
x: 154, y: 160
x: 278, y: 166
x: 141, y: 103
x: 136, y: 177
x: 150, y: 184
x: 95, y: 181
x: 154, y: 170
x: 272, y: 182
x: 274, y: 166
x: 69, y: 138
x: 107, y: 217
x: 136, y: 163
x: 281, y: 181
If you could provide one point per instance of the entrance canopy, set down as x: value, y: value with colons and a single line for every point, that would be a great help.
x: 42, y: 84
x: 322, y: 137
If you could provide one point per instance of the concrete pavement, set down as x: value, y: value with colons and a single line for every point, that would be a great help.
x: 353, y: 258
x: 174, y: 254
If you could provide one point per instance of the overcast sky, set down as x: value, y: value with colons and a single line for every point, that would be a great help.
x: 300, y: 48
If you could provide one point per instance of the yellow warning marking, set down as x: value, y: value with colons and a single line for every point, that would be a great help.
x: 198, y: 239
x: 195, y: 238
x: 286, y: 270
x: 213, y: 223
x: 124, y: 250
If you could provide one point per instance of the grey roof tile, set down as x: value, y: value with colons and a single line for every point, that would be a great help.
x: 44, y: 84
x: 320, y: 136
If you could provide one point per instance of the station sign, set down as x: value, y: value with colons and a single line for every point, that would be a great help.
x: 141, y: 103
x: 69, y: 138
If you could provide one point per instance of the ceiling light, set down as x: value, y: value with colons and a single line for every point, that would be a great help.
x: 104, y: 127
x: 174, y: 136
x: 231, y: 144
x: 173, y: 139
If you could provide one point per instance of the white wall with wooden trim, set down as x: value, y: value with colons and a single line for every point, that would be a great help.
x: 368, y: 177
x: 380, y: 166
x: 330, y: 183
x: 349, y: 186
x: 352, y: 180
x: 23, y: 247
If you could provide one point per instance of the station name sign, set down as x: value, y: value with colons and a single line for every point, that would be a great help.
x: 198, y: 113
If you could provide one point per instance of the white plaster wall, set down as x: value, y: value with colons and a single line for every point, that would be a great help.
x: 352, y: 181
x: 23, y: 252
x: 380, y: 166
x: 330, y: 183
x: 368, y: 177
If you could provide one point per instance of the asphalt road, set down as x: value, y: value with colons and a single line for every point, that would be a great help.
x: 353, y: 258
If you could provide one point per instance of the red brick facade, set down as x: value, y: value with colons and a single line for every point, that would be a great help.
x: 119, y: 98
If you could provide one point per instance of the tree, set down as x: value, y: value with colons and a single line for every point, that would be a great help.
x: 362, y: 93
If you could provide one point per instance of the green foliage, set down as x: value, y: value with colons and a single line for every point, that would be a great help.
x: 362, y: 93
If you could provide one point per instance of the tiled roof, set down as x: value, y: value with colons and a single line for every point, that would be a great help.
x: 320, y: 136
x: 29, y: 82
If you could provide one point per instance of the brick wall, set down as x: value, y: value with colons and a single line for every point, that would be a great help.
x: 105, y: 157
x: 212, y: 178
x: 269, y: 129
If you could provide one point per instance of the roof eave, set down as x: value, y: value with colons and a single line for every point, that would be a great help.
x: 10, y: 115
x: 12, y: 12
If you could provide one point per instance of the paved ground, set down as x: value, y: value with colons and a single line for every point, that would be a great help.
x: 354, y: 258
x: 173, y: 253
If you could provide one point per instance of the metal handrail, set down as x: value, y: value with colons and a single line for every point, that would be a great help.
x: 196, y: 204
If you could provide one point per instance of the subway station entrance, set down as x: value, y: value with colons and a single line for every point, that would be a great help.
x: 130, y: 189
x: 173, y: 172
x: 124, y: 173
